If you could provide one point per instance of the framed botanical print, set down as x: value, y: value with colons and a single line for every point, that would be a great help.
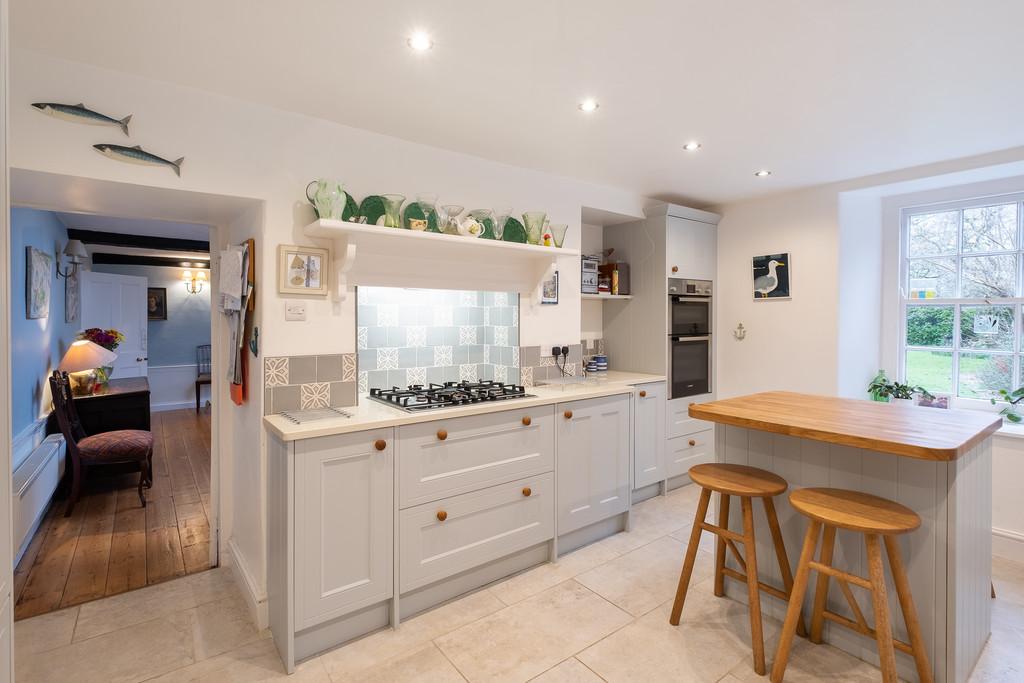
x: 38, y: 272
x: 156, y: 303
x: 549, y: 290
x: 302, y: 270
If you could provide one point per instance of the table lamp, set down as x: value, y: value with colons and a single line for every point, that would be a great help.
x: 81, y: 361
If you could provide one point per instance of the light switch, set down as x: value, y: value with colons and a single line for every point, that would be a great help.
x: 295, y: 310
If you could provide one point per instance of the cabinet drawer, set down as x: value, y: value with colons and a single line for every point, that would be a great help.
x: 476, y: 451
x: 684, y: 452
x: 679, y: 422
x: 477, y: 528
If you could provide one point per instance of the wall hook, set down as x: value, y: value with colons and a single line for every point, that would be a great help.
x: 254, y: 342
x: 740, y: 333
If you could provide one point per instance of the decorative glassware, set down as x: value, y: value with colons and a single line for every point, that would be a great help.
x: 481, y: 216
x: 427, y: 204
x: 329, y: 198
x: 448, y: 218
x: 392, y: 210
x: 534, y: 222
x: 558, y: 231
x: 500, y: 219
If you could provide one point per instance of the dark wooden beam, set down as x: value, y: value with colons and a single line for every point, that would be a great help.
x: 134, y: 260
x: 113, y: 239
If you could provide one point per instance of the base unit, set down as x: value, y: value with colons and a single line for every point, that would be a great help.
x: 683, y: 452
x: 648, y: 434
x: 678, y: 420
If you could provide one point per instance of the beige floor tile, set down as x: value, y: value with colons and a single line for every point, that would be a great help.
x: 350, y: 661
x: 707, y: 539
x: 1008, y: 577
x: 422, y: 665
x: 532, y: 636
x: 135, y: 653
x: 217, y: 627
x: 809, y: 662
x: 643, y: 579
x: 144, y: 604
x: 45, y: 632
x: 1002, y: 660
x: 569, y: 671
x: 712, y: 638
x: 254, y: 663
x: 538, y: 579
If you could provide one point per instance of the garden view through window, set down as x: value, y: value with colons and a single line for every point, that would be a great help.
x: 962, y: 282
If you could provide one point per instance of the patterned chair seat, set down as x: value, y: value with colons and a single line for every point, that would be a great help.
x: 123, y: 444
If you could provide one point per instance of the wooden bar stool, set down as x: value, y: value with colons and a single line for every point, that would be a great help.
x: 746, y: 483
x: 873, y: 517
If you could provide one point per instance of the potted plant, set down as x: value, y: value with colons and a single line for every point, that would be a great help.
x: 108, y: 339
x: 883, y: 389
x: 1012, y: 398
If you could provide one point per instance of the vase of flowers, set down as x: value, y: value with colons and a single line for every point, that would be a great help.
x: 108, y: 339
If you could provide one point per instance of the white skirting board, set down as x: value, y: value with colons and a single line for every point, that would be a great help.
x: 174, y: 386
x: 1007, y: 543
x: 255, y: 598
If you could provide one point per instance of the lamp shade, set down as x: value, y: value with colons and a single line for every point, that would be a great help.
x: 86, y: 355
x: 76, y: 250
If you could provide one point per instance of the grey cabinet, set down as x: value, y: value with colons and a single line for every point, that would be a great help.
x: 648, y: 434
x: 592, y: 442
x: 344, y: 524
x: 690, y: 248
x: 683, y: 452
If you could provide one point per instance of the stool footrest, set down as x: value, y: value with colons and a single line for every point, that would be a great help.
x: 765, y: 588
x: 864, y: 630
x: 724, y: 533
x: 840, y: 574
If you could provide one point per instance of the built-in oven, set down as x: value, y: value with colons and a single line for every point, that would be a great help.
x: 690, y: 350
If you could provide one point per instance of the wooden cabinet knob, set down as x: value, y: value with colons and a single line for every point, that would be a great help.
x: 527, y: 491
x: 692, y: 442
x: 642, y: 393
x: 380, y: 444
x: 568, y: 415
x: 441, y: 515
x: 675, y: 269
x: 441, y: 435
x: 527, y: 420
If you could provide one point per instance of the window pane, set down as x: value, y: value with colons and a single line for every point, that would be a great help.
x: 988, y: 276
x: 930, y: 326
x: 986, y: 327
x: 933, y: 234
x: 990, y: 228
x: 982, y: 375
x: 932, y: 370
x: 932, y: 277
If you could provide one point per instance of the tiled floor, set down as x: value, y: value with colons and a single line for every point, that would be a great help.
x: 600, y: 613
x: 111, y: 544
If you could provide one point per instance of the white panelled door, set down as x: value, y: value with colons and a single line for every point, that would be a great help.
x: 119, y: 302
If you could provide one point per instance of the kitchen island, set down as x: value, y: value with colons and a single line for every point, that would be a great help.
x: 937, y: 462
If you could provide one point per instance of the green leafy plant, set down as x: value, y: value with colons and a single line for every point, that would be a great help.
x: 883, y: 389
x: 1012, y: 398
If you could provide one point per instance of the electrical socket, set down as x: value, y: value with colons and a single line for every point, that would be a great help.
x: 565, y: 351
x: 556, y: 351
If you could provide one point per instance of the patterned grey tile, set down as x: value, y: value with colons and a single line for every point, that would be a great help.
x: 416, y: 335
x: 387, y: 358
x: 416, y: 375
x: 501, y: 337
x: 500, y: 373
x: 600, y: 345
x: 442, y: 356
x: 526, y: 376
x: 547, y: 361
x: 276, y: 371
x: 515, y: 357
x: 286, y: 398
x: 348, y: 367
x: 468, y: 373
x: 362, y: 338
x: 529, y: 356
x: 343, y: 394
x: 387, y: 315
x: 570, y: 369
x: 364, y: 382
x: 315, y: 395
x: 301, y: 369
x: 328, y: 368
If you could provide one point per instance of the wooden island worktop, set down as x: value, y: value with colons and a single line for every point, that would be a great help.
x: 936, y: 462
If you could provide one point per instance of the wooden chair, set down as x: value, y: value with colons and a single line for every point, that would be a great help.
x: 84, y: 451
x: 203, y: 371
x: 872, y: 516
x: 745, y: 483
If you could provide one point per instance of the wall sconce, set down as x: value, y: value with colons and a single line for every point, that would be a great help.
x: 76, y: 253
x: 194, y: 280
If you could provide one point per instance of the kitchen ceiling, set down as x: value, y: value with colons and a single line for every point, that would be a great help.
x: 814, y: 91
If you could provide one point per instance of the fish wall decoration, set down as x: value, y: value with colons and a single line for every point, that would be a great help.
x: 79, y: 113
x: 137, y: 155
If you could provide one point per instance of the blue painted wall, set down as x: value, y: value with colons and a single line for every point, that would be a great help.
x: 37, y: 346
x: 172, y: 341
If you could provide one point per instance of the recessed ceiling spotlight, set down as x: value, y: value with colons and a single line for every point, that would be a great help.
x: 589, y: 105
x: 420, y: 41
x: 691, y: 146
x: 763, y: 173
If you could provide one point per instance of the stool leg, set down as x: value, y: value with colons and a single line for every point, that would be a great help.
x: 723, y: 521
x: 780, y: 553
x: 796, y: 599
x: 880, y: 602
x: 899, y: 576
x: 753, y: 590
x: 821, y: 585
x: 691, y: 556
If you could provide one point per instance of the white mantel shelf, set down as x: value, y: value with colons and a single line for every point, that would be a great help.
x: 374, y: 255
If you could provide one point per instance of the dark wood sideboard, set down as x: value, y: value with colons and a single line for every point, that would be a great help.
x: 122, y: 404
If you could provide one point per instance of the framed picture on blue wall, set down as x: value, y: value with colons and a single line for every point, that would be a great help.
x: 38, y: 271
x: 156, y: 303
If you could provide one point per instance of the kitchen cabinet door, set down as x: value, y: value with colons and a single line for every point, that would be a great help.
x: 648, y: 434
x: 592, y: 449
x: 344, y: 524
x: 690, y: 249
x: 684, y: 452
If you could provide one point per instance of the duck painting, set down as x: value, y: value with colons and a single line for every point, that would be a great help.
x: 771, y: 276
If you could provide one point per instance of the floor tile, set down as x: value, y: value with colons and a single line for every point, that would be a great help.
x: 1002, y: 660
x: 254, y: 663
x: 45, y: 632
x: 1008, y: 578
x: 569, y: 671
x: 349, y: 662
x: 217, y: 627
x: 809, y: 662
x: 641, y: 580
x: 424, y: 664
x: 538, y: 579
x: 532, y: 636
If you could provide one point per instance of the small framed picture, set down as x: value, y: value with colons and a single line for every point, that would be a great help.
x: 156, y: 303
x: 936, y: 401
x: 771, y: 277
x: 549, y: 290
x: 302, y: 270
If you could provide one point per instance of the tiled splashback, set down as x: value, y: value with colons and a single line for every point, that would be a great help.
x: 537, y: 368
x: 418, y: 336
x: 302, y: 382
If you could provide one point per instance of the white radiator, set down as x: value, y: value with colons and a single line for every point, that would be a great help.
x: 34, y: 482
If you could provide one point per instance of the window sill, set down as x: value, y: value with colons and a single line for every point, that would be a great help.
x: 1012, y: 431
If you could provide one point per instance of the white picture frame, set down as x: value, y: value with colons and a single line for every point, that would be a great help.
x: 302, y: 270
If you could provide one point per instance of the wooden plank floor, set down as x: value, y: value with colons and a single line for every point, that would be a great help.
x: 111, y: 544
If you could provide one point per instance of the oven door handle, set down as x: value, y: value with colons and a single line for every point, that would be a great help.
x: 686, y: 298
x: 691, y: 339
